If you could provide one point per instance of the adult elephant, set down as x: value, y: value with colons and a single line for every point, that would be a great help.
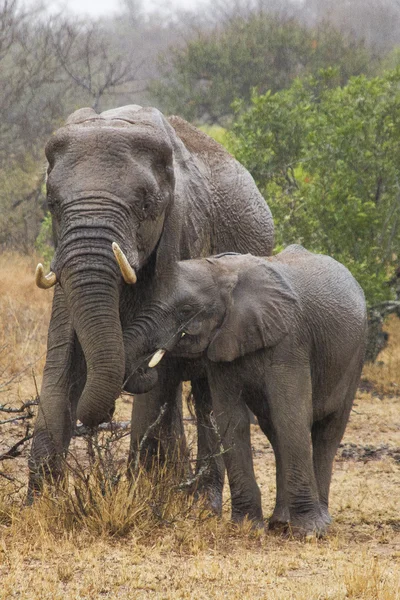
x: 154, y: 190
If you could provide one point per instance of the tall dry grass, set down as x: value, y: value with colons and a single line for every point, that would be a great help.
x: 24, y: 316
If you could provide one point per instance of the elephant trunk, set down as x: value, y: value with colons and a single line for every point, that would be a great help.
x: 140, y: 377
x: 92, y: 296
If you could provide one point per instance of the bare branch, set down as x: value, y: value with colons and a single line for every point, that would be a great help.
x: 14, y: 450
x: 25, y: 406
x: 146, y: 436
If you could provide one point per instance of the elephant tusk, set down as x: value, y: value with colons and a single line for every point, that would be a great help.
x: 156, y: 358
x: 44, y: 281
x: 183, y: 334
x: 127, y: 272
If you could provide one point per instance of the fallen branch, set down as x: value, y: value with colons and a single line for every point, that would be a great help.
x: 25, y: 406
x: 25, y: 411
x: 13, y: 451
x: 23, y: 418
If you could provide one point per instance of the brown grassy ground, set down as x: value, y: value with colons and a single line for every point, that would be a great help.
x: 152, y: 543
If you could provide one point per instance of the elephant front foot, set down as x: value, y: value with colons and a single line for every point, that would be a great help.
x: 313, y: 524
x: 42, y: 476
x: 46, y: 467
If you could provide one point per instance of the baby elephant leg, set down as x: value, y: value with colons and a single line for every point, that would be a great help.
x: 290, y: 409
x: 281, y: 515
x: 232, y: 421
x: 209, y: 460
x: 327, y: 433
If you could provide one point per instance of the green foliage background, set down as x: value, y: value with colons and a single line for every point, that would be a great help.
x: 201, y: 79
x: 327, y: 161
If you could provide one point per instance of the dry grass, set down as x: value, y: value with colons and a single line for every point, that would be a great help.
x: 99, y: 539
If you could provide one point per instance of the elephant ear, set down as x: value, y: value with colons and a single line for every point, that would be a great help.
x: 261, y: 311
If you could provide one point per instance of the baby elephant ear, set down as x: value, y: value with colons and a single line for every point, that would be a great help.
x: 261, y: 310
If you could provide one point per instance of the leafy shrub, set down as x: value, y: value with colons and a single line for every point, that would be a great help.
x: 326, y: 159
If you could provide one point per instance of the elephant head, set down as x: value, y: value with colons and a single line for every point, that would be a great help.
x: 221, y: 307
x: 110, y: 187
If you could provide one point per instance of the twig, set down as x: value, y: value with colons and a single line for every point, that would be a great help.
x: 207, y: 459
x: 23, y: 418
x: 13, y: 451
x: 216, y: 431
x: 145, y: 437
x: 25, y: 406
x: 203, y: 469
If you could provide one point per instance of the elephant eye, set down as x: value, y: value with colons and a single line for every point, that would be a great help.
x: 186, y: 310
x: 146, y: 202
x: 146, y: 205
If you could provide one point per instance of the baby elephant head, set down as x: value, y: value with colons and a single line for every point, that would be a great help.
x: 221, y: 307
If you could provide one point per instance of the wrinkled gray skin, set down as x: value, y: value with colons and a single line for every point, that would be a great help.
x: 284, y: 335
x: 163, y: 191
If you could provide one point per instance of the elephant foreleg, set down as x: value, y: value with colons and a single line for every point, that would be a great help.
x: 63, y: 380
x: 209, y: 459
x: 281, y: 515
x: 232, y: 419
x: 165, y: 442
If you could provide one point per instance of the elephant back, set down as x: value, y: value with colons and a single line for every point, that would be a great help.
x: 196, y: 141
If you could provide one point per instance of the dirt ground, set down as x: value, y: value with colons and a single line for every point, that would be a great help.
x: 46, y: 552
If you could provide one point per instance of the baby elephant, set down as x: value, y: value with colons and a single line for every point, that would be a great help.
x: 283, y: 335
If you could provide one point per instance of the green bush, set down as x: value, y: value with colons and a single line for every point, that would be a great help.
x: 327, y: 160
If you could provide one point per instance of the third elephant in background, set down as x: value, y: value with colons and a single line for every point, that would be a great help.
x: 284, y: 336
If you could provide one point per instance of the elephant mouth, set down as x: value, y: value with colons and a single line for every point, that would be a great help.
x: 140, y: 380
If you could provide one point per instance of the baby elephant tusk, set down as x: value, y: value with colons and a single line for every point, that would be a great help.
x: 44, y: 281
x: 156, y: 358
x: 127, y: 272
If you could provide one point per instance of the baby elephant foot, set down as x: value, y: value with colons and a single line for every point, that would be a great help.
x: 309, y: 525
